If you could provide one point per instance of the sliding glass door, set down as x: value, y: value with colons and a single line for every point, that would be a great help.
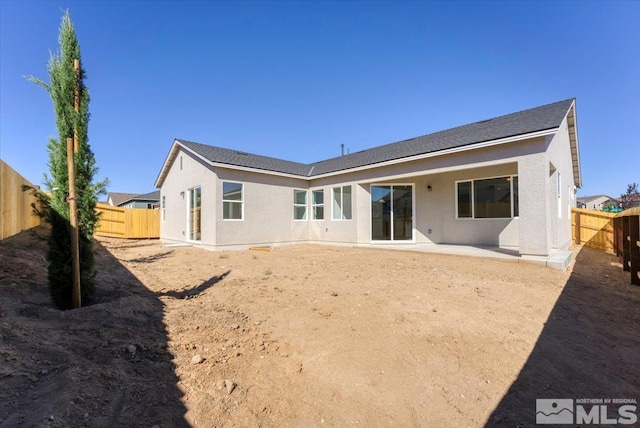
x: 392, y: 213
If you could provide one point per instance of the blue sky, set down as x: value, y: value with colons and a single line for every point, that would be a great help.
x: 294, y: 80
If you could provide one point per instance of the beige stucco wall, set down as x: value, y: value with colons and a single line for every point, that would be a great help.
x: 194, y: 173
x: 435, y: 210
x: 268, y: 200
x: 559, y: 155
x: 268, y: 211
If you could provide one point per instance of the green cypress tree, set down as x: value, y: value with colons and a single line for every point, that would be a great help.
x: 62, y: 88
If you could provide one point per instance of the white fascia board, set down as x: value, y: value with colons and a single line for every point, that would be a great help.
x: 166, y: 164
x: 577, y: 171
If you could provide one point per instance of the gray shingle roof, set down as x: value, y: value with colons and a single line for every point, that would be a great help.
x: 238, y: 158
x: 524, y: 122
x: 118, y: 198
x: 151, y: 196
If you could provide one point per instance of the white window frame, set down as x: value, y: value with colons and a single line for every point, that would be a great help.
x: 235, y: 201
x: 305, y: 205
x: 315, y: 205
x: 413, y: 215
x: 559, y: 190
x: 189, y: 194
x: 473, y: 202
x: 163, y: 202
x: 333, y: 201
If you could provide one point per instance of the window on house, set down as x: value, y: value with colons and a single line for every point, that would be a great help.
x: 299, y: 204
x: 488, y: 198
x: 317, y: 204
x: 164, y: 207
x: 342, y: 203
x: 559, y: 191
x: 232, y: 201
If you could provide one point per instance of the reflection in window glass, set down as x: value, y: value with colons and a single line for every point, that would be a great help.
x: 464, y: 199
x: 232, y: 201
x: 492, y: 198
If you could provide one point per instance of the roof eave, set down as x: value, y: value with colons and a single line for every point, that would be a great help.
x: 572, y: 126
x: 459, y: 149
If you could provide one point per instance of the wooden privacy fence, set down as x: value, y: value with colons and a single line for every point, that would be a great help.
x: 15, y: 205
x: 592, y: 229
x: 119, y: 222
x: 627, y: 242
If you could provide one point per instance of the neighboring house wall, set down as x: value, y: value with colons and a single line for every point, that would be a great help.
x: 141, y: 204
x: 598, y: 204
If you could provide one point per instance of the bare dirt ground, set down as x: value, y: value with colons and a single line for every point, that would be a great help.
x: 310, y: 336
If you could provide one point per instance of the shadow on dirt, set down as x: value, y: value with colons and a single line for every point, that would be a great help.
x: 588, y: 348
x: 151, y: 259
x: 103, y: 365
x: 197, y: 290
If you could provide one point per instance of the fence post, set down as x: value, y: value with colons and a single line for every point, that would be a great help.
x: 626, y: 259
x: 634, y: 250
x: 577, y: 229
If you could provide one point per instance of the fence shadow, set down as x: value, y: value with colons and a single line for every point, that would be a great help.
x: 104, y: 365
x: 588, y: 347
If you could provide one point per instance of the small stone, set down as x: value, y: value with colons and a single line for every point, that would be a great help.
x: 105, y: 344
x: 197, y: 359
x: 334, y: 294
x: 230, y: 385
x: 131, y: 349
x: 44, y: 371
x: 51, y: 417
x: 72, y: 403
x: 86, y: 415
x: 234, y: 326
x: 284, y: 354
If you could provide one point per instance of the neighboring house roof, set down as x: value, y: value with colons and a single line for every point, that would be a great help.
x: 147, y: 197
x: 586, y: 200
x: 528, y: 123
x: 118, y: 198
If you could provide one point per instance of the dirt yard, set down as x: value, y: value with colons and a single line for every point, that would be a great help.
x: 310, y: 336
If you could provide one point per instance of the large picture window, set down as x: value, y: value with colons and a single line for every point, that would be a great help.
x: 232, y: 200
x: 341, y: 203
x: 317, y: 204
x: 488, y: 198
x: 299, y: 204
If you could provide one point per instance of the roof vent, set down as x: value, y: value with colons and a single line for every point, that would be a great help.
x: 242, y: 153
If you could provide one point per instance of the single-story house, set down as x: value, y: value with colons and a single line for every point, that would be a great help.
x: 597, y: 202
x: 149, y: 200
x: 507, y: 182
